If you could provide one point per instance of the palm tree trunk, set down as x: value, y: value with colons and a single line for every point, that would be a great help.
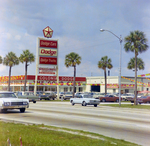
x: 9, y: 78
x: 25, y: 76
x: 74, y: 80
x: 135, y: 97
x: 105, y: 82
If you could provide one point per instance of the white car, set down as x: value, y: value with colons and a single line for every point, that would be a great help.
x: 127, y: 96
x: 84, y: 100
x: 8, y: 100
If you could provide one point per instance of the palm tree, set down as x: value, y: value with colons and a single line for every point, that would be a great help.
x: 1, y: 59
x: 136, y: 42
x: 140, y: 64
x: 10, y: 60
x: 72, y: 60
x: 103, y: 64
x: 26, y: 57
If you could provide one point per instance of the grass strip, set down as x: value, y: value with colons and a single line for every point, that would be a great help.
x: 139, y: 106
x: 41, y: 135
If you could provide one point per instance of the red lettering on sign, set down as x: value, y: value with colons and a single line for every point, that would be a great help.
x: 48, y: 60
x: 48, y: 43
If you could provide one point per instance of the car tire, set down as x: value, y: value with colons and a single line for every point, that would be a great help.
x: 22, y: 110
x: 34, y: 101
x: 84, y: 103
x: 117, y: 100
x: 95, y: 105
x: 72, y: 103
x: 3, y: 110
x: 103, y: 100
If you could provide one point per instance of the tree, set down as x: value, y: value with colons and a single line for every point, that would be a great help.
x: 136, y: 42
x: 72, y: 60
x: 26, y: 57
x: 103, y: 64
x: 140, y: 64
x: 1, y: 59
x: 10, y: 60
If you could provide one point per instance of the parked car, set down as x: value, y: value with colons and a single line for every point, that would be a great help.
x: 84, y: 100
x: 109, y: 98
x: 38, y: 93
x: 142, y: 99
x: 61, y: 94
x: 78, y: 93
x: 8, y: 100
x: 127, y: 96
x: 48, y: 95
x: 67, y: 95
x: 28, y: 95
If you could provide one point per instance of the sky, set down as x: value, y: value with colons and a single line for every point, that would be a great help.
x: 76, y: 25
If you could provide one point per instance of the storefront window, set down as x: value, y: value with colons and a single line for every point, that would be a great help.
x: 80, y: 89
x: 31, y: 88
x: 65, y: 89
x: 17, y: 88
x: 39, y: 88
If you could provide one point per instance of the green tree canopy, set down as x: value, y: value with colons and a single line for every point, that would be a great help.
x: 1, y: 60
x: 140, y: 64
x: 71, y: 60
x: 104, y: 63
x: 26, y: 58
x: 10, y: 60
x: 136, y: 42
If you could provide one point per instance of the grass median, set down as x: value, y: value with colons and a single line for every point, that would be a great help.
x: 139, y: 106
x: 41, y: 135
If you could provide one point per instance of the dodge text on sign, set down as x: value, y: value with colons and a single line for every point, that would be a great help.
x: 48, y: 52
x: 48, y: 60
x: 48, y: 43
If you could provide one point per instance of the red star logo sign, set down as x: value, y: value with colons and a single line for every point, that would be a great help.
x: 48, y: 32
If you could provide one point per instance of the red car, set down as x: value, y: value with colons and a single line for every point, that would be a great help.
x: 109, y: 98
x: 144, y: 99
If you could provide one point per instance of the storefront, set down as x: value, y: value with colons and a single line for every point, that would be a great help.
x: 83, y: 84
x: 97, y: 84
x: 44, y: 83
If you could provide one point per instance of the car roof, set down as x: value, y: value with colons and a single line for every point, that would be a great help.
x: 6, y: 92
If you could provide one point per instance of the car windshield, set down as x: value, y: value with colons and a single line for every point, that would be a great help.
x: 143, y: 96
x: 87, y: 96
x: 7, y: 95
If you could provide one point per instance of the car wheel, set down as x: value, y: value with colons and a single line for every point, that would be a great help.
x: 117, y: 100
x: 103, y: 100
x: 3, y: 110
x: 95, y: 105
x: 34, y: 101
x: 22, y: 110
x: 147, y: 102
x: 72, y: 103
x: 84, y: 103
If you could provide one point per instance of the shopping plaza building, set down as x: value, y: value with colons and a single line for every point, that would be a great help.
x: 83, y: 84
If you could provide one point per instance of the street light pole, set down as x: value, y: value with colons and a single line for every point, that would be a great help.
x: 120, y: 40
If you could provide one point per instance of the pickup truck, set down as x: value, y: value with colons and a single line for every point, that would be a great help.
x: 27, y: 95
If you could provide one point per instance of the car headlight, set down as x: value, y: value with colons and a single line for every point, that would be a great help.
x: 7, y: 103
x: 25, y: 103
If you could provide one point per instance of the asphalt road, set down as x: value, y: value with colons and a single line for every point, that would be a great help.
x: 129, y: 124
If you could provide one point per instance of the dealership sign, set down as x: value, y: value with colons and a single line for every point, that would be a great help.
x: 47, y: 51
x: 43, y: 70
